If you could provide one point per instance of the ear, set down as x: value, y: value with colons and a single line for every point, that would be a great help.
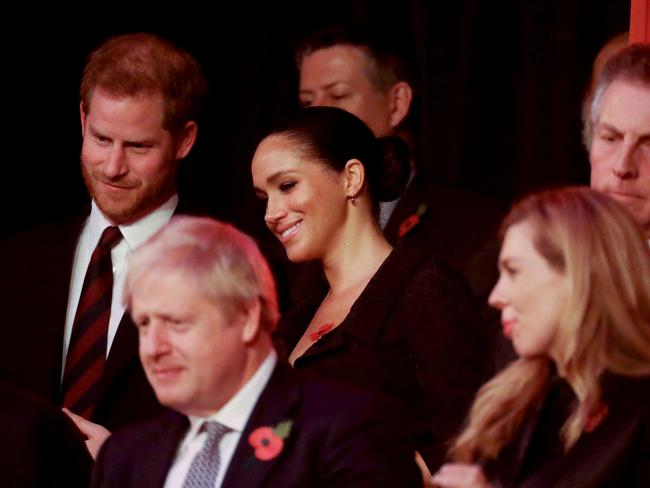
x: 355, y: 176
x: 251, y: 322
x: 82, y: 115
x: 185, y: 139
x: 400, y: 97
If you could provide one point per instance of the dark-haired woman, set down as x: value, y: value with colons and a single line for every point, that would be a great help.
x: 391, y: 321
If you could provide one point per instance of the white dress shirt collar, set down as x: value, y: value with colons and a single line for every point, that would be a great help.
x: 138, y: 232
x: 235, y: 413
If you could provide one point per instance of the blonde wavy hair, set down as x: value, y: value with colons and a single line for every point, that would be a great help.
x: 605, y: 326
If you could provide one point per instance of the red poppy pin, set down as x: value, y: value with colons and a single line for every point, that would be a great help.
x: 596, y: 416
x: 322, y: 330
x: 411, y: 221
x: 269, y: 441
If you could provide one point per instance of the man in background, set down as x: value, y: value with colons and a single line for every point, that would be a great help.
x: 358, y: 70
x: 617, y: 131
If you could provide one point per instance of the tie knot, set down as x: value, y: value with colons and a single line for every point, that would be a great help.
x: 214, y: 429
x: 110, y: 237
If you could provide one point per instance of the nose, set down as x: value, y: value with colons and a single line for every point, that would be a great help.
x: 497, y: 299
x: 153, y: 342
x: 115, y: 163
x: 275, y: 211
x: 625, y: 165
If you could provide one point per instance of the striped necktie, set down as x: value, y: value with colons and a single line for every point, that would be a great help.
x: 86, y: 356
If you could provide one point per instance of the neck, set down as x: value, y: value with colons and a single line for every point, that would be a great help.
x: 358, y: 253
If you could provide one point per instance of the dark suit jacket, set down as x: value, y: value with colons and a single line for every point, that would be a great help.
x: 456, y: 227
x: 615, y: 454
x: 37, y: 267
x: 460, y: 229
x: 414, y: 334
x: 41, y: 447
x: 340, y: 437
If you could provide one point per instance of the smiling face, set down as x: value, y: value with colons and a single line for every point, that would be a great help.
x: 305, y: 200
x: 128, y: 160
x: 620, y: 151
x: 530, y: 294
x: 339, y: 76
x: 192, y: 355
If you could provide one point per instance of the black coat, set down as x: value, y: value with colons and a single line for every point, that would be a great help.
x: 460, y: 229
x: 37, y: 266
x: 616, y: 453
x: 415, y: 335
x: 41, y: 446
x: 340, y: 437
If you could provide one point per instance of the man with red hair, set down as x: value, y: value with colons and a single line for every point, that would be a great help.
x: 67, y: 337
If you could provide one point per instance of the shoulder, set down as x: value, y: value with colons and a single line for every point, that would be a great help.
x: 452, y: 202
x: 60, y: 233
x: 149, y: 430
x: 408, y: 264
x: 41, y: 444
x: 428, y: 279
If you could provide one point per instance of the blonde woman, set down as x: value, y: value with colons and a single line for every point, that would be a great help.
x: 574, y: 409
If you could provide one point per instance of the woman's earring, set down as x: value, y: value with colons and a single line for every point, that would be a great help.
x: 352, y: 197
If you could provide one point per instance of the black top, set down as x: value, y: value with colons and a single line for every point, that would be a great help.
x: 616, y: 453
x: 41, y: 447
x: 413, y: 334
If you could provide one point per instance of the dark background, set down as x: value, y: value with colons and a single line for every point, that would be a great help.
x: 500, y: 87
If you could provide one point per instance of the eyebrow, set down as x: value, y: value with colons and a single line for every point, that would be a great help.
x: 274, y: 177
x: 326, y: 87
x: 278, y: 174
x: 645, y: 136
x: 144, y: 142
x: 607, y: 126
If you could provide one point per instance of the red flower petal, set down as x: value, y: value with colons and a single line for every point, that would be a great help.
x: 267, y: 445
x: 322, y: 330
x: 595, y: 417
x: 408, y: 224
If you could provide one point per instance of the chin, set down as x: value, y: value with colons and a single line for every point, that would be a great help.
x: 297, y: 255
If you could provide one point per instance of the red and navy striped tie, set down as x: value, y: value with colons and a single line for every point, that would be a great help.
x: 84, y: 363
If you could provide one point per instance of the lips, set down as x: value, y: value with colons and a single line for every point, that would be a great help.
x: 507, y: 327
x: 623, y: 195
x: 115, y: 187
x: 288, y: 232
x: 165, y: 373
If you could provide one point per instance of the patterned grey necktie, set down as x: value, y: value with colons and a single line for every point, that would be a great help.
x: 205, y: 467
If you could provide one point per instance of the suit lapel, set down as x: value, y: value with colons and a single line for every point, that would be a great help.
x: 276, y: 404
x: 123, y: 352
x: 407, y: 206
x: 54, y: 295
x: 155, y: 459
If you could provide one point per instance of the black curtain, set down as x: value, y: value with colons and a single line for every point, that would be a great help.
x: 499, y: 92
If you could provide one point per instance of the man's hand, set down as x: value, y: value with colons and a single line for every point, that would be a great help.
x: 95, y: 433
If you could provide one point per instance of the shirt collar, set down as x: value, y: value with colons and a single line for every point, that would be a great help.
x: 235, y: 413
x: 137, y: 232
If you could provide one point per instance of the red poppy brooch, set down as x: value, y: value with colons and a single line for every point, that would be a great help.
x: 268, y: 442
x: 322, y: 330
x: 411, y: 221
x: 596, y: 416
